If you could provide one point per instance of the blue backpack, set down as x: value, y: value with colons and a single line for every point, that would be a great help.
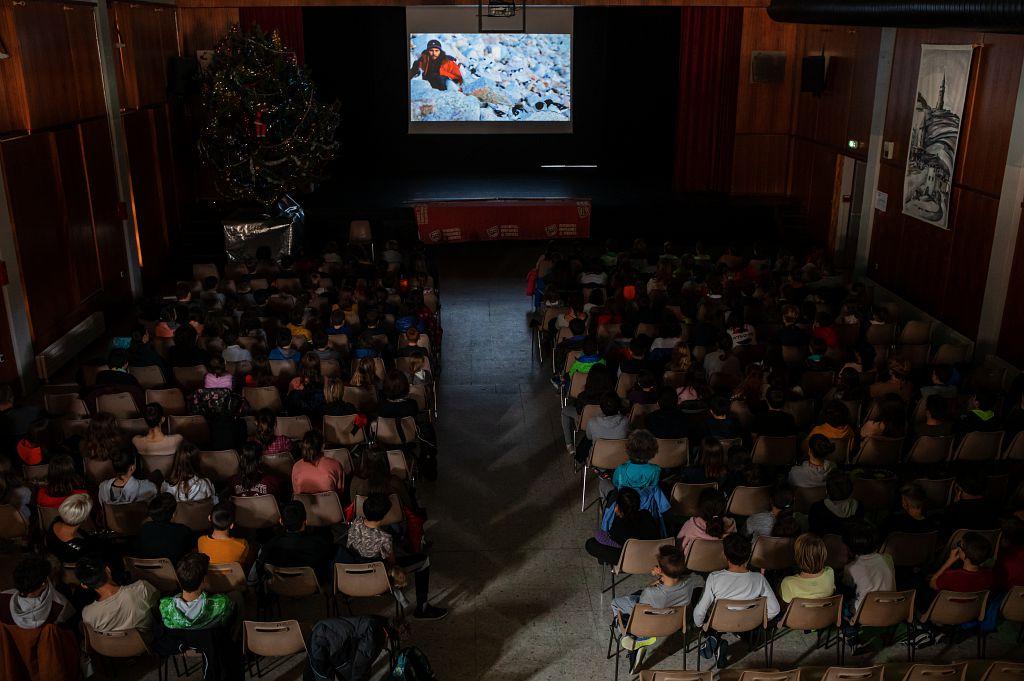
x: 412, y: 665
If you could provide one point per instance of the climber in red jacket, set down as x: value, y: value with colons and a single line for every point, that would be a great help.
x: 437, y: 68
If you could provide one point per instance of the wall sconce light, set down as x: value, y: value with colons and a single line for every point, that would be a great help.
x: 854, y: 144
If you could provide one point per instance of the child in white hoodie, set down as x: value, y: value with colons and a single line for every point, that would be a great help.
x: 33, y: 601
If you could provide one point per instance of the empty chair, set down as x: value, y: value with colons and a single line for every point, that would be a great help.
x: 936, y: 672
x: 359, y: 232
x: 930, y: 449
x: 672, y: 453
x: 394, y: 514
x: 126, y: 519
x: 195, y: 429
x: 737, y: 617
x: 322, y: 509
x: 775, y: 451
x: 272, y: 639
x: 773, y: 553
x: 951, y: 354
x: 910, y: 549
x: 957, y: 608
x: 194, y: 515
x: 767, y: 675
x: 12, y: 523
x: 361, y: 580
x: 218, y: 466
x: 706, y: 555
x: 190, y: 378
x: 157, y: 571
x: 805, y: 497
x: 876, y: 673
x: 399, y: 464
x: 293, y: 427
x: 937, y: 491
x: 875, y: 494
x: 364, y: 399
x: 887, y: 609
x: 811, y: 614
x: 1015, y: 450
x: 171, y: 399
x: 65, y: 404
x: 256, y: 513
x: 647, y: 621
x: 396, y: 432
x: 118, y: 405
x: 294, y: 582
x: 1004, y: 671
x: 282, y: 369
x: 980, y: 446
x: 916, y: 332
x: 133, y: 427
x: 149, y: 376
x: 684, y: 497
x: 342, y: 430
x: 878, y: 451
x: 841, y: 453
x: 264, y: 397
x: 746, y: 501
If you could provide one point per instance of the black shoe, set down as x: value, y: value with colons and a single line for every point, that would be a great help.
x: 429, y: 612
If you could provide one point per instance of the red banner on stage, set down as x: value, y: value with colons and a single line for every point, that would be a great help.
x: 500, y: 219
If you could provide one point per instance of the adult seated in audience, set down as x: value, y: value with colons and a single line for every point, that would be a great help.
x: 834, y: 513
x: 101, y: 438
x: 638, y: 472
x: 117, y: 608
x: 253, y: 479
x: 630, y: 521
x: 970, y: 509
x: 296, y: 546
x: 183, y: 480
x: 778, y: 521
x: 736, y: 582
x: 815, y: 470
x: 673, y: 588
x: 13, y: 491
x: 980, y: 415
x: 193, y: 608
x: 266, y: 435
x: 710, y: 521
x: 219, y: 545
x: 124, y: 487
x: 774, y: 422
x: 913, y: 518
x: 315, y: 472
x: 937, y: 422
x: 33, y: 601
x: 368, y: 541
x: 62, y: 481
x: 868, y: 570
x: 160, y: 536
x: 835, y: 422
x: 66, y: 539
x: 815, y: 579
x: 155, y: 442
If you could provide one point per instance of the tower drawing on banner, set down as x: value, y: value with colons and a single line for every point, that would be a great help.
x: 490, y: 77
x: 935, y: 133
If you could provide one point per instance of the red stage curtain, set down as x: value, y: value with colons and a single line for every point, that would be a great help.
x: 708, y: 80
x: 287, y: 21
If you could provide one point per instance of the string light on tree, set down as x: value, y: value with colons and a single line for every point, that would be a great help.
x: 266, y: 134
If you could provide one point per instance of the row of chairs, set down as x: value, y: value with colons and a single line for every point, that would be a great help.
x: 996, y: 671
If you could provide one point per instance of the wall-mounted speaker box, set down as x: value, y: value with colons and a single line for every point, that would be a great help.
x: 767, y: 67
x: 814, y: 74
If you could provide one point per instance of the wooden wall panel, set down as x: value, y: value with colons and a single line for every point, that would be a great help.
x: 80, y: 23
x: 765, y: 107
x: 760, y: 164
x: 81, y: 242
x: 149, y: 36
x: 202, y: 28
x: 46, y: 56
x: 13, y: 105
x: 819, y: 203
x: 974, y: 222
x: 147, y: 194
x: 287, y: 21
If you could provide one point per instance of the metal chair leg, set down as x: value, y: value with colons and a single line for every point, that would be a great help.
x: 583, y: 503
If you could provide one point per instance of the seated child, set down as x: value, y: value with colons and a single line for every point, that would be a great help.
x: 815, y: 580
x: 219, y: 545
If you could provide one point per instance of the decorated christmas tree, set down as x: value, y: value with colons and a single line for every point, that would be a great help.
x: 266, y: 134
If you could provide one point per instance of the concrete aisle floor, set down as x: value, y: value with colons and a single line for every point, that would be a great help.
x: 504, y: 515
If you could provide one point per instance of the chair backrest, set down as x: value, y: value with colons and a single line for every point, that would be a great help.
x: 342, y: 430
x: 398, y: 464
x: 362, y: 398
x: 841, y: 453
x: 589, y: 412
x: 394, y: 514
x: 875, y: 494
x: 774, y: 451
x: 577, y: 384
x: 706, y: 555
x: 1015, y: 450
x: 263, y: 397
x: 938, y: 492
x: 813, y: 614
x: 118, y: 405
x: 980, y: 446
x: 225, y: 577
x: 773, y: 553
x: 624, y: 384
x: 879, y: 451
x: 35, y: 474
x: 322, y: 509
x: 361, y: 579
x: 157, y: 571
x: 638, y: 556
x: 116, y: 644
x: 767, y: 675
x: 392, y: 431
x: 293, y: 427
x: 283, y: 369
x: 886, y: 608
x: 910, y: 549
x: 256, y: 513
x: 12, y: 524
x: 684, y: 497
x: 930, y: 449
x: 805, y: 497
x: 738, y: 616
x: 342, y: 456
x: 876, y: 673
x: 190, y: 378
x: 936, y: 672
x: 993, y: 537
x: 63, y: 404
x: 1004, y: 671
x: 746, y: 501
x: 132, y: 427
x: 675, y: 675
x: 1012, y: 608
x: 608, y: 454
x: 126, y: 519
x: 272, y: 639
x: 292, y: 582
x: 195, y: 429
x: 953, y: 608
x: 149, y: 376
x: 171, y: 399
x: 194, y: 515
x: 647, y: 620
x: 672, y: 453
x: 218, y: 465
x: 880, y: 334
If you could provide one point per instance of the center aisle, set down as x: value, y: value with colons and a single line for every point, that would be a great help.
x: 508, y: 535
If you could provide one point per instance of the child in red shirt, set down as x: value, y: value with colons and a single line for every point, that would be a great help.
x: 30, y: 448
x: 972, y: 550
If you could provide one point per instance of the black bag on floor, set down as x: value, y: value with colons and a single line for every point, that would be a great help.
x: 412, y: 665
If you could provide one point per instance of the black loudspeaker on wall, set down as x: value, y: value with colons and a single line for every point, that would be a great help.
x: 814, y: 74
x: 181, y: 76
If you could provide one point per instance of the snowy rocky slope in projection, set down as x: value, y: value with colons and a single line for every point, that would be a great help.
x: 508, y: 77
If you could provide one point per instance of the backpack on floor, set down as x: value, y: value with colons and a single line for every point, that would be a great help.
x: 412, y: 665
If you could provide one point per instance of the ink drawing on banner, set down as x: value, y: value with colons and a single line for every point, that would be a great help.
x: 942, y: 82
